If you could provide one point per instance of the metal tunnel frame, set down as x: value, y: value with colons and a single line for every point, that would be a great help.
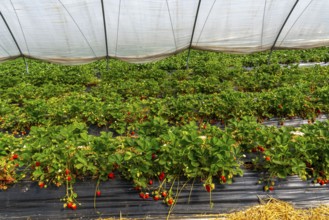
x: 193, y: 30
x: 16, y: 43
x: 278, y: 35
x: 105, y: 33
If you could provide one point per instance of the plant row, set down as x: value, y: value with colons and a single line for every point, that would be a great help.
x: 120, y: 99
x: 123, y: 115
x: 156, y: 155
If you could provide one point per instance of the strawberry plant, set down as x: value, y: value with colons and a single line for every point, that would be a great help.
x: 11, y: 160
x: 165, y: 121
x: 138, y: 165
x: 284, y: 157
x: 314, y: 137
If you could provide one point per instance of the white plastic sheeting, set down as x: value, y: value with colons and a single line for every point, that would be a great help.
x: 73, y: 31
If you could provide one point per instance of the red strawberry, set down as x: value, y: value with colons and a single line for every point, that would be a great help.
x: 132, y: 133
x: 267, y: 158
x: 261, y: 149
x: 156, y: 198
x: 111, y: 175
x: 69, y: 205
x: 141, y: 195
x: 271, y: 188
x: 321, y: 182
x: 150, y: 182
x: 67, y: 172
x: 41, y: 184
x: 162, y: 176
x: 208, y: 187
x: 223, y: 178
x: 68, y: 178
x: 15, y: 156
x: 154, y: 156
x: 37, y: 164
x: 164, y: 194
x: 146, y: 196
x: 98, y: 193
x: 74, y: 206
x: 170, y: 201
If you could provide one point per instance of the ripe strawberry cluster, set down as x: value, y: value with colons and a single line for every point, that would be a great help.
x: 157, y: 195
x: 68, y: 176
x: 258, y: 149
x: 211, y: 186
x: 14, y: 157
x: 71, y: 205
x: 322, y: 181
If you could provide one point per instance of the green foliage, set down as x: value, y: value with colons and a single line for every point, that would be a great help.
x: 162, y: 121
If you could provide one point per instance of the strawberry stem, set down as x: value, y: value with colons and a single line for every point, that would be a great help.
x: 97, y: 187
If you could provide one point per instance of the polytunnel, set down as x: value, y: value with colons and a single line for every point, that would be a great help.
x: 81, y: 31
x: 158, y: 140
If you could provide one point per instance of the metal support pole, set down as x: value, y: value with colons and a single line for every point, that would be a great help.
x: 277, y: 37
x: 195, y: 20
x: 105, y: 33
x: 12, y: 35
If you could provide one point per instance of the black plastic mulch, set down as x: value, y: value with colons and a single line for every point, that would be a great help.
x: 26, y: 200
